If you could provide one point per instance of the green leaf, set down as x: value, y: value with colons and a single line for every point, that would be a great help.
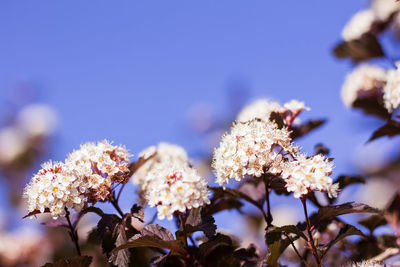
x: 345, y: 231
x: 276, y: 249
x: 153, y: 235
x: 372, y: 222
x: 80, y: 261
x: 329, y: 212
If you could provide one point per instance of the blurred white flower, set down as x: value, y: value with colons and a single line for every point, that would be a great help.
x: 24, y: 246
x: 169, y: 181
x: 285, y: 215
x: 391, y: 91
x: 37, y: 120
x: 385, y: 8
x: 12, y: 144
x: 163, y: 153
x: 260, y: 109
x: 175, y: 188
x: 364, y: 77
x: 359, y: 24
x: 382, y: 190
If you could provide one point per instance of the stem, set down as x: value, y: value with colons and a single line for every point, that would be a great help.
x: 120, y: 191
x: 183, y: 224
x: 114, y: 202
x: 295, y: 250
x: 269, y: 218
x: 311, y: 239
x: 73, y: 233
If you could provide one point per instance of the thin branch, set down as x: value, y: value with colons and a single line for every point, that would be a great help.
x: 295, y: 249
x: 268, y: 216
x: 311, y: 239
x: 73, y: 233
x: 114, y: 202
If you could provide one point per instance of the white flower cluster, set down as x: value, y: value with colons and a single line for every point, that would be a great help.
x: 54, y: 188
x: 258, y: 147
x: 364, y: 77
x: 391, y: 91
x: 262, y: 109
x: 86, y: 176
x: 306, y: 174
x: 169, y: 182
x: 359, y: 24
x: 249, y: 149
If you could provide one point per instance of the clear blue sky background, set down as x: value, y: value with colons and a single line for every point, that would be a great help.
x: 129, y: 71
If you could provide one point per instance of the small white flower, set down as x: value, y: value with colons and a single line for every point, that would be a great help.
x: 365, y: 77
x: 391, y: 91
x: 359, y: 24
x: 153, y: 155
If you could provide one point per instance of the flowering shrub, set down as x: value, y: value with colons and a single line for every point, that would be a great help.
x: 258, y: 157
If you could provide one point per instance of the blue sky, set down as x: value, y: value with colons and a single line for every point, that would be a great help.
x: 129, y: 71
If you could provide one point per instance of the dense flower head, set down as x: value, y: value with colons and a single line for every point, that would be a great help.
x: 154, y: 156
x: 55, y: 188
x: 251, y: 148
x: 365, y: 77
x: 305, y: 174
x: 98, y: 166
x: 168, y: 181
x: 359, y: 24
x: 391, y: 91
x: 175, y: 188
x: 86, y: 176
